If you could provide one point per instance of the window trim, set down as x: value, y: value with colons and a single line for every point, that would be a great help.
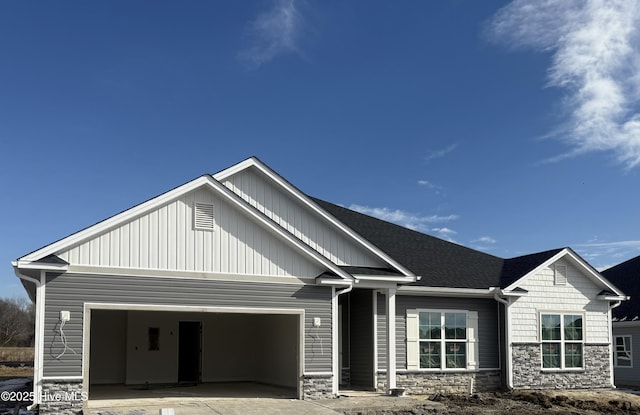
x: 562, y: 341
x: 470, y: 341
x: 615, y: 351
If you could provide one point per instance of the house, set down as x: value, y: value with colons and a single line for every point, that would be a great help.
x: 239, y: 276
x: 626, y: 323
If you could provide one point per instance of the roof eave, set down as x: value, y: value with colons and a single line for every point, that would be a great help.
x: 446, y: 291
x: 303, y: 198
x: 44, y: 266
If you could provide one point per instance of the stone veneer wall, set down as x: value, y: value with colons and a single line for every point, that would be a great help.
x: 61, y: 397
x: 527, y: 372
x: 426, y: 383
x: 317, y: 387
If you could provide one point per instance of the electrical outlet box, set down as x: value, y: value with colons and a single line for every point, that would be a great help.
x: 316, y: 322
x: 65, y: 315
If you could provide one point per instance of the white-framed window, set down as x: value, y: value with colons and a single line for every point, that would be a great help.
x: 442, y: 339
x: 562, y: 340
x: 622, y: 353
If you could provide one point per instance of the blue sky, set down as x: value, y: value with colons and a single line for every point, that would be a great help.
x: 510, y: 127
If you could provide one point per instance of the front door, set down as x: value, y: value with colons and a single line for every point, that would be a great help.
x: 189, y: 350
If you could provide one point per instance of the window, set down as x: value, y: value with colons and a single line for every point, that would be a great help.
x: 562, y: 340
x: 622, y: 353
x: 443, y: 340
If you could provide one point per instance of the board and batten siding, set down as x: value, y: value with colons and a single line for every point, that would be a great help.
x: 577, y: 295
x: 165, y: 239
x: 71, y: 291
x: 488, y: 337
x: 259, y: 191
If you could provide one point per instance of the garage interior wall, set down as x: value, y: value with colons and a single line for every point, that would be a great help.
x: 235, y: 347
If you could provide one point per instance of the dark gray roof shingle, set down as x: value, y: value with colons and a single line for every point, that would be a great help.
x: 626, y: 277
x: 440, y: 263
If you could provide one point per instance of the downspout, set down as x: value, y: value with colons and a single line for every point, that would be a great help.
x: 611, y: 345
x: 507, y: 335
x: 38, y: 356
x: 335, y: 338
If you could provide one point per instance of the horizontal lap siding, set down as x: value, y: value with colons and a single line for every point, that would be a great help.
x: 70, y: 292
x: 577, y: 295
x: 488, y: 329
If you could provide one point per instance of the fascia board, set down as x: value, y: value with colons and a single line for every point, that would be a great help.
x: 275, y: 228
x: 591, y: 272
x: 533, y: 272
x: 446, y: 291
x: 621, y: 324
x: 594, y: 274
x: 290, y: 188
x: 113, y: 221
x: 613, y: 297
x: 395, y: 279
x: 158, y: 201
x: 23, y: 265
x: 333, y: 281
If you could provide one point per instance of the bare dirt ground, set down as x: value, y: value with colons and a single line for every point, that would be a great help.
x: 7, y: 372
x: 526, y: 403
x: 576, y: 402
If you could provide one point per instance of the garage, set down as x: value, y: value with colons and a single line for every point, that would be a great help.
x: 154, y: 349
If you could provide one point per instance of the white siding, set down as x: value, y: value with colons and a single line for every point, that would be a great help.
x: 260, y: 192
x: 165, y: 239
x: 579, y: 295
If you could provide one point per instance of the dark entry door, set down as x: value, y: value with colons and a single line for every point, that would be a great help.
x: 189, y: 351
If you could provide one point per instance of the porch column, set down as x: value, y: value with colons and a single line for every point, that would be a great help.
x: 391, y: 338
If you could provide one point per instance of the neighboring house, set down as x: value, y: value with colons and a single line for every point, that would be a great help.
x: 240, y: 276
x: 626, y: 323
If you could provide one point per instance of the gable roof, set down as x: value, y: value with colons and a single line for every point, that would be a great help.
x: 408, y: 253
x: 440, y: 263
x: 626, y: 276
x: 275, y: 177
x: 32, y: 259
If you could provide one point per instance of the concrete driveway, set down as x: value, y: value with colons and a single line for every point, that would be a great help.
x: 213, y: 406
x: 236, y: 399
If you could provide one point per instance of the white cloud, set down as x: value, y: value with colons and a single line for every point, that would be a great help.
x: 440, y: 153
x: 427, y: 184
x: 603, y: 255
x: 484, y: 240
x: 596, y: 61
x: 445, y: 233
x: 273, y: 33
x: 403, y: 218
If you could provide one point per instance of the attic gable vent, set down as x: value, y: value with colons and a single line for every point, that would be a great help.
x: 203, y: 216
x: 560, y: 275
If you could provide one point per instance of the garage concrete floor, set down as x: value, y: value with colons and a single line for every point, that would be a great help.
x: 235, y: 399
x: 206, y: 398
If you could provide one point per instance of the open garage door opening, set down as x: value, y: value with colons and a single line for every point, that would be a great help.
x: 214, y: 352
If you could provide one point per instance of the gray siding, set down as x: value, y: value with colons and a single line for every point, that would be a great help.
x: 70, y: 292
x: 628, y: 376
x: 488, y: 327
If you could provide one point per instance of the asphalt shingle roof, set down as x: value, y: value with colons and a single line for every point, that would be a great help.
x: 626, y: 277
x: 440, y: 263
